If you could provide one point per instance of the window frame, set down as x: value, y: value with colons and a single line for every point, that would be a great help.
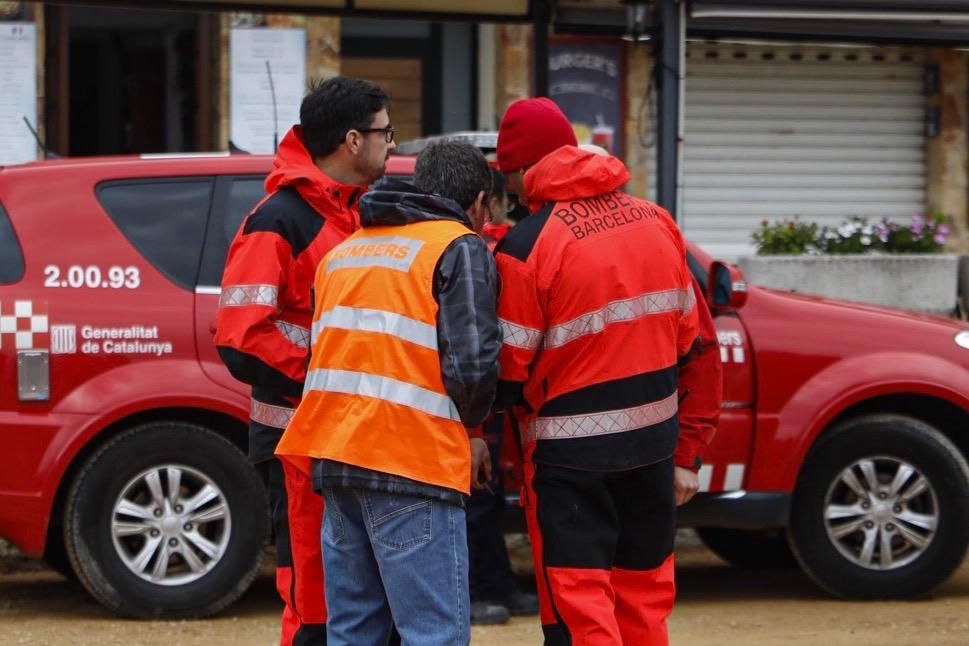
x: 6, y: 222
x: 173, y: 179
x: 216, y: 225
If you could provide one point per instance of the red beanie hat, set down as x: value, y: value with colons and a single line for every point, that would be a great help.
x: 531, y: 129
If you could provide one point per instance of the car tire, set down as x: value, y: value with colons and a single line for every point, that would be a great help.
x: 166, y: 520
x: 56, y: 557
x: 749, y: 549
x: 879, y: 510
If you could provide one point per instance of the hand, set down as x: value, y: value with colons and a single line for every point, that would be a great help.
x: 685, y: 485
x: 480, y: 464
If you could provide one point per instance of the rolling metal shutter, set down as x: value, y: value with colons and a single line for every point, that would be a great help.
x: 821, y: 133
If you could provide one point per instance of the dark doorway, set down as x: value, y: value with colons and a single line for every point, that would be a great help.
x: 133, y: 81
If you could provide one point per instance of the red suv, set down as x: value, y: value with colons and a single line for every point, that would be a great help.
x: 843, y: 432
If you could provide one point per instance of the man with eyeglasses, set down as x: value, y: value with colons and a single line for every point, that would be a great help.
x: 321, y: 169
x: 404, y: 362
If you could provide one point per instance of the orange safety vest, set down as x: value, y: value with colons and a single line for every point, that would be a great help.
x: 374, y: 394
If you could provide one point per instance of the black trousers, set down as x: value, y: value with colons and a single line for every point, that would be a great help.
x: 603, y: 547
x: 490, y: 575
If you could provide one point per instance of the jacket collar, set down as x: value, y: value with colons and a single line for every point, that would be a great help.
x: 396, y: 203
x: 293, y: 167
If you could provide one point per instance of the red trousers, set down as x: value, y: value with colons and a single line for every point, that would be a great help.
x: 603, y: 548
x: 297, y: 514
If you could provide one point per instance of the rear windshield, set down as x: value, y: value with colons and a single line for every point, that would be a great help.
x: 11, y: 256
x: 164, y: 219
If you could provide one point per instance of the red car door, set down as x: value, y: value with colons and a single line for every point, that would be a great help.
x: 235, y: 196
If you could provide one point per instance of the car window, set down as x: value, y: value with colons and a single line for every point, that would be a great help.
x: 164, y: 219
x: 234, y: 200
x: 699, y: 271
x: 243, y: 195
x: 235, y: 197
x: 11, y: 256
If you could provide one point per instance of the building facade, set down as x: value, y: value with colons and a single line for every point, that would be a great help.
x: 788, y: 119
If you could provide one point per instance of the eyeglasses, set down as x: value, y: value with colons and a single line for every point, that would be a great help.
x: 388, y: 132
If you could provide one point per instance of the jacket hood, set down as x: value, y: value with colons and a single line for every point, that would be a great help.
x: 570, y: 173
x: 396, y: 203
x: 293, y: 167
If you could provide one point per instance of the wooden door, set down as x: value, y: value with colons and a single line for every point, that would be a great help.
x: 402, y: 79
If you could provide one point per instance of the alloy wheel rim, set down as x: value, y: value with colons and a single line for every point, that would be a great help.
x: 171, y: 525
x: 881, y: 513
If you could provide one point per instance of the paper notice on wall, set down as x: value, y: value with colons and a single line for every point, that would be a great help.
x: 265, y: 62
x: 18, y: 91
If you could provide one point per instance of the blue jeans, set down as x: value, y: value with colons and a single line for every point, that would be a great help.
x: 395, y: 560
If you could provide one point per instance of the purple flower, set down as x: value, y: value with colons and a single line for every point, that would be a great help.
x: 918, y: 223
x: 945, y: 229
x: 939, y: 238
x: 881, y: 230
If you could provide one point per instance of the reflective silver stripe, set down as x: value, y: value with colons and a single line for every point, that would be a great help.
x: 519, y: 336
x: 604, y: 423
x: 269, y: 415
x: 690, y: 300
x: 630, y: 309
x: 295, y: 333
x: 367, y: 385
x: 369, y: 320
x: 393, y: 252
x: 238, y: 295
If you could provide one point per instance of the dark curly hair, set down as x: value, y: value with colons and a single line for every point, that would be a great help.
x: 334, y: 107
x: 454, y: 169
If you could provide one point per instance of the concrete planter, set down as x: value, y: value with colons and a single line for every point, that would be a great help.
x: 922, y: 282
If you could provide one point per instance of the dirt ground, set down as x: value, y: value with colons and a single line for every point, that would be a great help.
x: 717, y: 605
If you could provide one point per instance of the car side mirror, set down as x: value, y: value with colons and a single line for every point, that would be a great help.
x: 726, y: 287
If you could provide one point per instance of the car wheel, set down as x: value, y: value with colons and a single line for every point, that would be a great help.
x: 56, y: 557
x: 749, y: 549
x: 880, y: 509
x: 166, y: 520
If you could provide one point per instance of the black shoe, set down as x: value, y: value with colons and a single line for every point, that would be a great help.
x: 486, y: 614
x: 520, y: 604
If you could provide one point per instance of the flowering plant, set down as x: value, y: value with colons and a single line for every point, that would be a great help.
x: 790, y: 237
x: 855, y: 235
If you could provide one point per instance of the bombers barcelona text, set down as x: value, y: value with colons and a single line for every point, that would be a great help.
x: 602, y: 213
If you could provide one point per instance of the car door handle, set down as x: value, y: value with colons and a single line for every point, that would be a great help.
x: 212, y: 327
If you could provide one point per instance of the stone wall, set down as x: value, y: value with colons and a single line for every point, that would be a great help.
x: 947, y: 152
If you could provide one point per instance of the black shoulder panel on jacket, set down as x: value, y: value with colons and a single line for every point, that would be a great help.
x: 288, y: 214
x: 519, y: 242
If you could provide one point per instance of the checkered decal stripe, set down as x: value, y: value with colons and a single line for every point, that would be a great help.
x: 24, y: 324
x: 604, y: 423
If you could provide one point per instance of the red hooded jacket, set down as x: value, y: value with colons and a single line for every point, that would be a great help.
x: 600, y: 318
x: 494, y: 233
x: 263, y: 325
